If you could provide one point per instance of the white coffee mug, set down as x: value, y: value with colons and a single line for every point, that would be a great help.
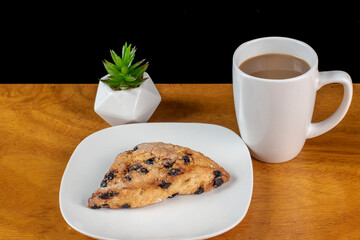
x: 274, y: 117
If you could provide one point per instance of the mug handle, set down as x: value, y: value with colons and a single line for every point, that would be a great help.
x: 316, y: 129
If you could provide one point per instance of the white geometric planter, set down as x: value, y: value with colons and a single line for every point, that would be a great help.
x: 127, y: 106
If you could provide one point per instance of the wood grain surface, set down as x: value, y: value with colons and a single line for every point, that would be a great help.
x: 314, y: 196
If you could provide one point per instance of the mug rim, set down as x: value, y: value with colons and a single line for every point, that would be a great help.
x: 313, y: 67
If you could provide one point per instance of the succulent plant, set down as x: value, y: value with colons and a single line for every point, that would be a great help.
x: 124, y: 75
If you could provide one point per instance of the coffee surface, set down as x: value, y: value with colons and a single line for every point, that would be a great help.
x: 275, y: 66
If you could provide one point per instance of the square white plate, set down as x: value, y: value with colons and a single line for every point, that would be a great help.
x: 183, y: 217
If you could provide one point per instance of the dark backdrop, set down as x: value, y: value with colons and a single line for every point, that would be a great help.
x: 184, y: 43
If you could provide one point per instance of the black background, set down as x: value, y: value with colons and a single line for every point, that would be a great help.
x: 55, y: 42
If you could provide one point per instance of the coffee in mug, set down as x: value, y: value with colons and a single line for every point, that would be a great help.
x: 275, y: 66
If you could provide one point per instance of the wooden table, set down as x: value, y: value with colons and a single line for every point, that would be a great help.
x: 315, y: 196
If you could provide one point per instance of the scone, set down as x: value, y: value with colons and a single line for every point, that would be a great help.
x: 152, y: 172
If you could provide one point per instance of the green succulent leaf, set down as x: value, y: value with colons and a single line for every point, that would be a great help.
x: 132, y: 56
x: 124, y: 70
x: 139, y: 71
x: 112, y: 82
x: 129, y: 78
x: 117, y: 60
x: 136, y: 65
x: 126, y: 54
x: 123, y: 50
x: 111, y: 68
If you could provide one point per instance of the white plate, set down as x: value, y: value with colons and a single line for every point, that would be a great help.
x: 183, y: 217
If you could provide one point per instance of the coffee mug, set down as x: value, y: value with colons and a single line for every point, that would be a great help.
x: 274, y: 116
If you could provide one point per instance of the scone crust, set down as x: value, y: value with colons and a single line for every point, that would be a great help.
x: 152, y: 172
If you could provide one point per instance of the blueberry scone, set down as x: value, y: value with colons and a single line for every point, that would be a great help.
x: 152, y: 172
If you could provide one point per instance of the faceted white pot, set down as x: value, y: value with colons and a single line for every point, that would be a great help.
x: 127, y: 106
